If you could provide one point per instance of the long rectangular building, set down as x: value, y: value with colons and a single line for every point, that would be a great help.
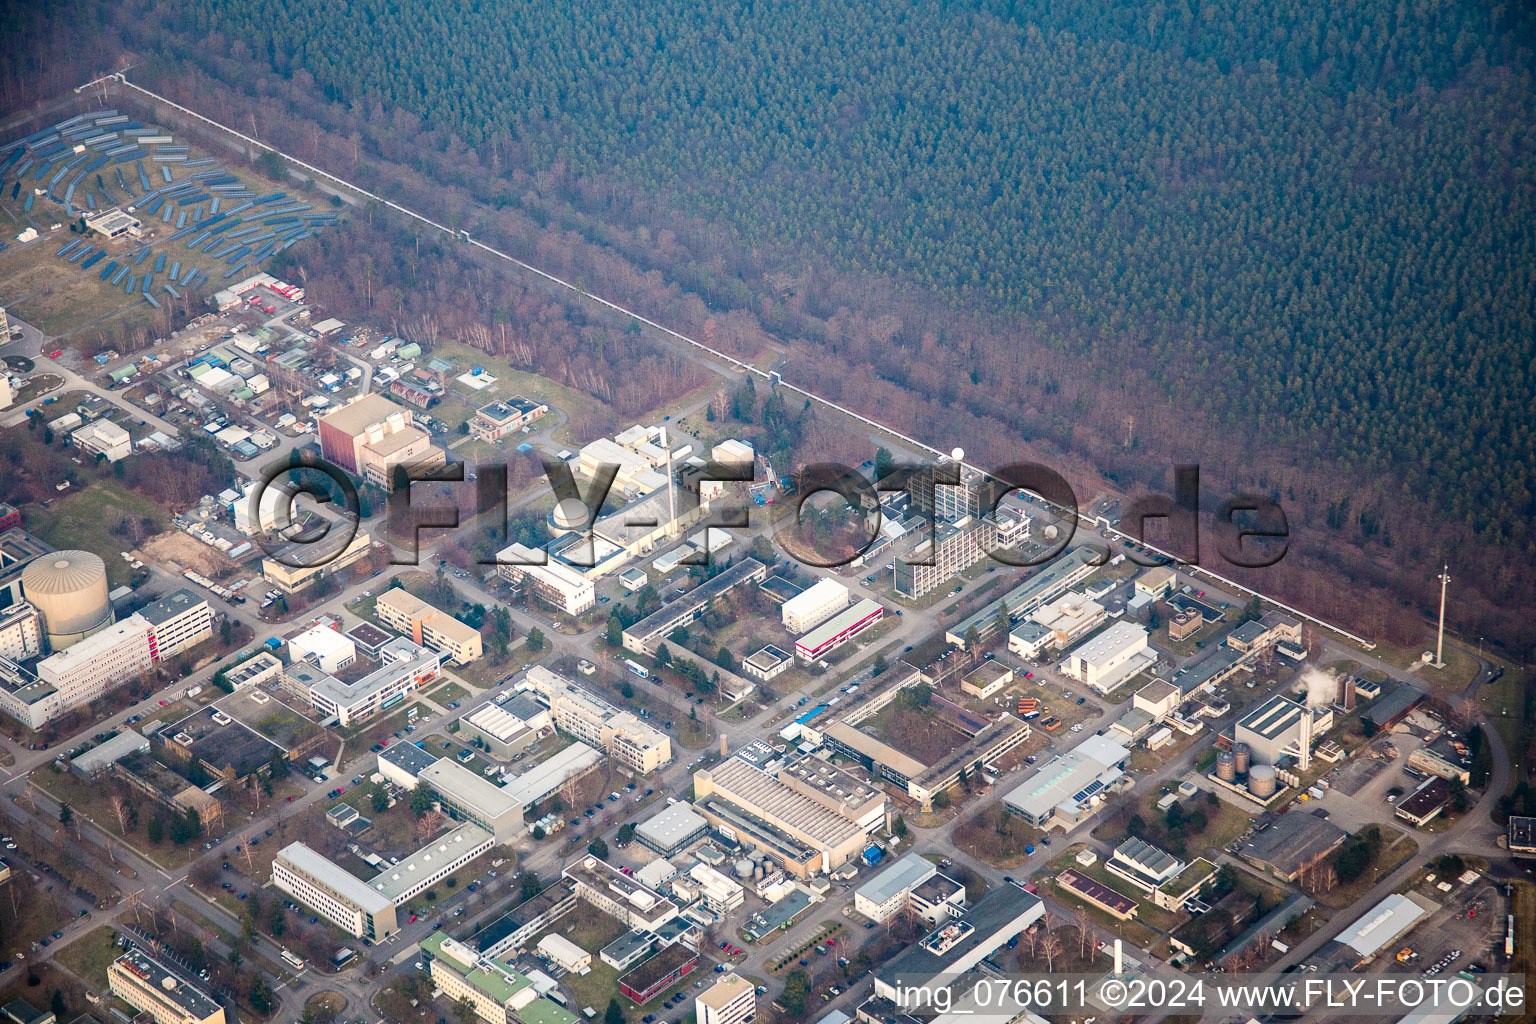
x: 646, y: 635
x: 404, y: 612
x: 839, y: 629
x: 334, y: 893
x: 404, y: 666
x: 1069, y: 786
x: 552, y: 582
x: 166, y: 994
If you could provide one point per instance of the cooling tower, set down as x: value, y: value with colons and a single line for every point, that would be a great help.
x: 1226, y: 766
x: 1241, y: 757
x: 1261, y: 781
x: 69, y: 590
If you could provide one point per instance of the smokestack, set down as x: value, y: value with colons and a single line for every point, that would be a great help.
x: 666, y: 443
x: 1119, y: 960
x: 1306, y: 736
x: 722, y: 744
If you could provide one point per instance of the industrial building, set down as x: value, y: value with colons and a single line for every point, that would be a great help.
x: 1069, y: 786
x: 1112, y: 658
x: 717, y: 891
x: 1379, y: 927
x: 1293, y: 845
x: 300, y: 562
x: 805, y: 834
x: 646, y: 635
x: 589, y: 718
x: 69, y: 590
x: 838, y: 630
x: 500, y: 731
x: 155, y: 988
x: 404, y: 612
x: 1281, y: 727
x: 895, y: 889
x: 468, y: 796
x: 370, y: 436
x: 554, y: 583
x: 731, y: 1000
x: 672, y: 830
x: 404, y: 666
x: 810, y: 608
x: 1426, y: 803
x: 959, y: 945
x: 1445, y: 756
x: 619, y: 895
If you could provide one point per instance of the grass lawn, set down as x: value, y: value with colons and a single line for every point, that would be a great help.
x: 90, y: 955
x: 694, y: 734
x: 446, y: 694
x: 86, y: 518
x: 591, y: 929
x: 489, y: 671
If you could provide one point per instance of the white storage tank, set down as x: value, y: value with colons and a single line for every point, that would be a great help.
x: 69, y: 590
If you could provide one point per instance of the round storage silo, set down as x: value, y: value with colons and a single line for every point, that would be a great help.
x: 1226, y: 766
x: 744, y: 868
x: 1241, y: 757
x: 69, y: 590
x: 571, y: 515
x: 1261, y: 781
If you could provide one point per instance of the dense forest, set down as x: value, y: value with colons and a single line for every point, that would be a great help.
x: 1291, y: 241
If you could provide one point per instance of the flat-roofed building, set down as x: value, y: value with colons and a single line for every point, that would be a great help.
x: 334, y: 893
x: 1157, y: 583
x: 958, y: 946
x: 1110, y: 659
x: 1158, y: 699
x: 1426, y: 803
x: 329, y: 649
x: 98, y: 761
x: 435, y: 861
x: 180, y: 620
x: 767, y: 664
x: 736, y: 794
x: 1070, y: 617
x: 103, y: 438
x: 659, y: 973
x: 810, y: 608
x: 502, y: 733
x: 85, y: 671
x: 1046, y: 584
x: 719, y: 893
x: 164, y: 993
x: 988, y: 679
x: 21, y: 632
x: 565, y: 954
x: 1445, y: 756
x: 467, y: 796
x: 731, y: 1000
x: 404, y: 666
x: 590, y: 718
x: 883, y: 897
x: 953, y: 548
x: 498, y: 419
x: 618, y: 895
x: 1069, y: 786
x: 512, y: 931
x: 402, y: 763
x: 1292, y: 845
x: 114, y: 223
x: 371, y: 435
x: 493, y: 989
x: 646, y: 635
x: 672, y: 830
x: 1275, y: 728
x: 552, y: 582
x: 299, y: 563
x: 401, y: 610
x: 839, y: 629
x: 1092, y: 891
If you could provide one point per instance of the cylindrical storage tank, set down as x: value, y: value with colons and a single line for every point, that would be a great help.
x: 1241, y: 756
x: 1226, y: 766
x: 69, y: 590
x: 744, y: 868
x: 1261, y: 781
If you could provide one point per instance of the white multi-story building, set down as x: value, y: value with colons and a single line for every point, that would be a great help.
x: 179, y: 620
x: 334, y: 893
x: 331, y: 650
x: 555, y: 584
x: 21, y: 633
x: 86, y: 670
x: 104, y: 438
x: 1111, y: 658
x: 1069, y: 617
x: 403, y: 666
x: 588, y: 717
x: 810, y: 608
x: 154, y: 989
x: 731, y: 1000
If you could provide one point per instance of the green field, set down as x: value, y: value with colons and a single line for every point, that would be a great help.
x: 86, y: 518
